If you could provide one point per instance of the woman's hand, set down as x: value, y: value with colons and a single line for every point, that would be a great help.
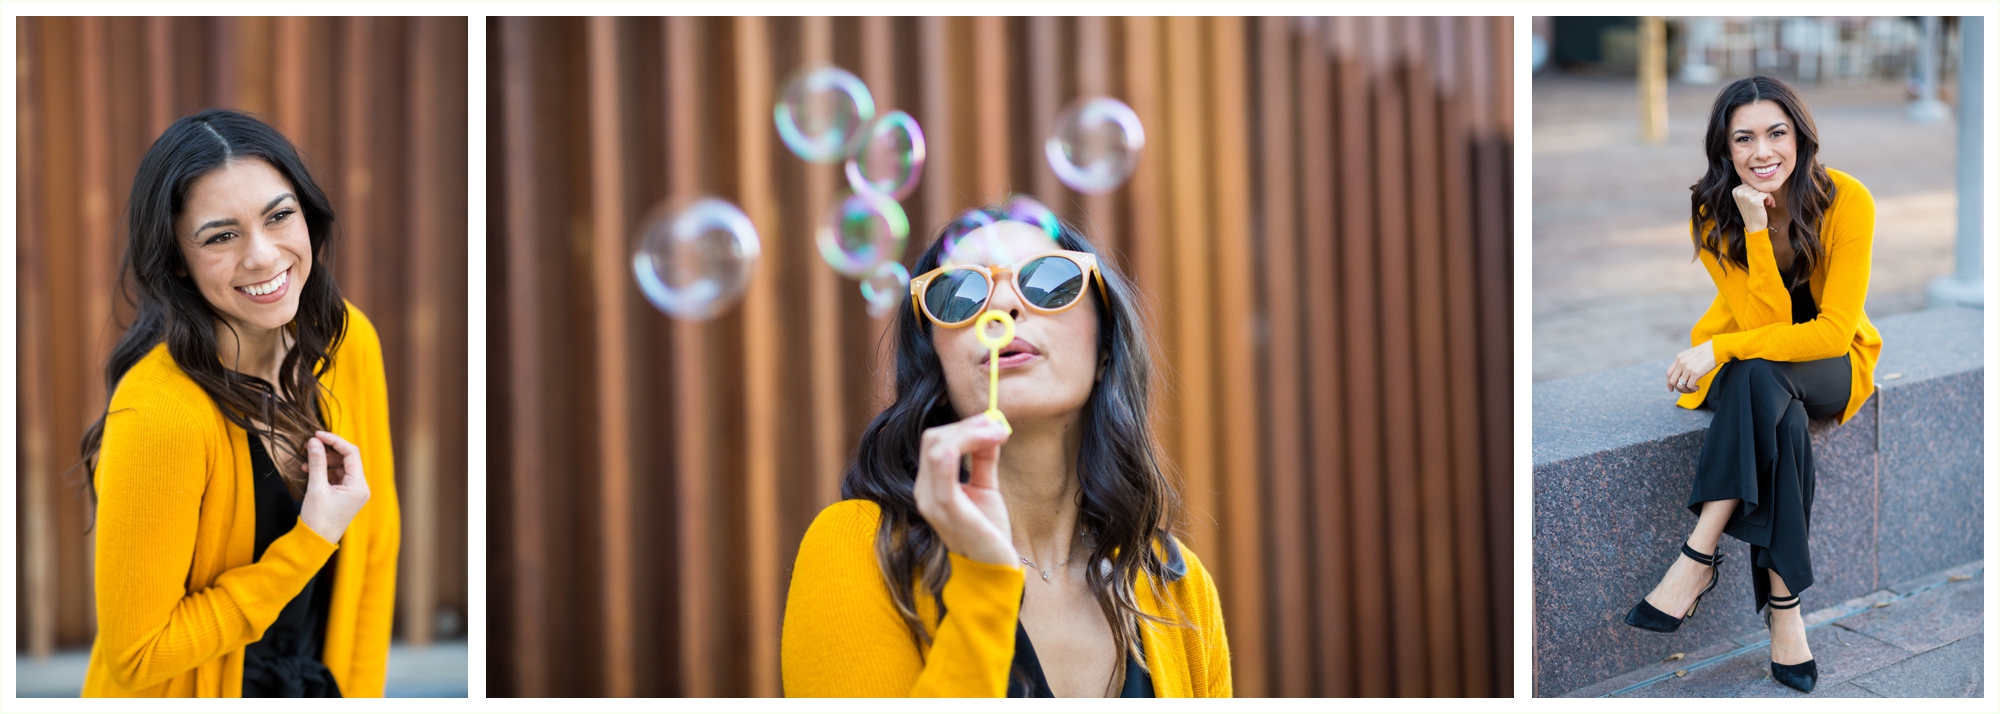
x: 330, y: 504
x: 969, y: 517
x: 1684, y: 375
x: 1755, y: 206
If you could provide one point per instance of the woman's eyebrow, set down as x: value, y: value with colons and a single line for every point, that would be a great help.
x: 217, y: 223
x: 275, y: 201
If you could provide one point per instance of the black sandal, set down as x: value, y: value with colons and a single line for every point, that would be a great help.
x: 1646, y: 617
x: 1802, y: 676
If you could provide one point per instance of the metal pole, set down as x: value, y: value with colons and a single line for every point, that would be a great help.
x: 1965, y: 286
x: 1927, y: 109
x: 1653, y: 79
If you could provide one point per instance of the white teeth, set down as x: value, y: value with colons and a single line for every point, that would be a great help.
x: 266, y: 288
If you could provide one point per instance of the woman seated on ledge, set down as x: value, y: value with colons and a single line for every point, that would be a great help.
x: 1788, y: 243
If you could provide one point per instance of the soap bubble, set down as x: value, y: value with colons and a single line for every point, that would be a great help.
x: 888, y: 156
x: 1030, y: 211
x: 695, y: 259
x: 1095, y: 144
x: 963, y: 225
x: 821, y: 111
x: 860, y: 231
x: 884, y: 288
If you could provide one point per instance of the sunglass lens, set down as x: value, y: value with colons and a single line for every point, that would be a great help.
x: 955, y: 295
x: 1051, y: 282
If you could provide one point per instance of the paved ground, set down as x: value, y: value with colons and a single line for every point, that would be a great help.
x: 1921, y: 638
x: 1615, y: 283
x: 435, y: 671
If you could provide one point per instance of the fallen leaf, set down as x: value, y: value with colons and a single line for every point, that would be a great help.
x: 1675, y: 656
x: 1680, y: 673
x: 1884, y: 603
x: 1893, y: 375
x: 1958, y: 578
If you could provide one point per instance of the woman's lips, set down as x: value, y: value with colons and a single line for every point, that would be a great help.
x: 1765, y: 172
x: 275, y: 287
x: 1015, y: 354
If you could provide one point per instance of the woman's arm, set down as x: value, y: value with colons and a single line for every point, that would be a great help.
x: 151, y: 475
x: 844, y: 638
x: 1849, y: 236
x: 1756, y: 296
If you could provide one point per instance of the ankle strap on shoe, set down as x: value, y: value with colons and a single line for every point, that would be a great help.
x: 1700, y: 557
x: 1782, y: 603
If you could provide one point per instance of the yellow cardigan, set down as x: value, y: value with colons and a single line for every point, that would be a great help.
x: 1751, y: 317
x: 843, y: 638
x: 178, y: 596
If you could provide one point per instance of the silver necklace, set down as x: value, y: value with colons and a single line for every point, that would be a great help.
x: 1045, y: 573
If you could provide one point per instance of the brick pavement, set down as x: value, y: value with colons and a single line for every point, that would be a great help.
x: 1615, y: 283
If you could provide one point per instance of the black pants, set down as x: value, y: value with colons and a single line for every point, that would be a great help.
x: 1757, y: 450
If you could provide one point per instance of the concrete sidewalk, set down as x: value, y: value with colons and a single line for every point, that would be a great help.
x: 438, y: 670
x: 1919, y: 638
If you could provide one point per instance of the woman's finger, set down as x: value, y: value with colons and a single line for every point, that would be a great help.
x: 315, y: 465
x: 350, y: 455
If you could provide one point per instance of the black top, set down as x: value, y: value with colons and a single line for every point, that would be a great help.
x: 285, y: 663
x: 1027, y: 679
x: 1803, y: 308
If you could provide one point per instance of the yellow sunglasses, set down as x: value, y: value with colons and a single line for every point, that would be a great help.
x: 1048, y: 282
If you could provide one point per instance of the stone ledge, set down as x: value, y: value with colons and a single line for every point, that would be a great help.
x: 1899, y: 495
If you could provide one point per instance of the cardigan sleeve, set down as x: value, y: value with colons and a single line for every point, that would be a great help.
x: 1849, y: 237
x: 1215, y: 637
x: 151, y: 474
x: 370, y: 661
x: 844, y: 638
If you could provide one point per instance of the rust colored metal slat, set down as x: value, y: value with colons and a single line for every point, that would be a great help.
x: 1462, y: 345
x: 41, y: 588
x: 1333, y: 624
x: 97, y: 266
x: 1146, y: 242
x: 823, y: 330
x: 693, y: 421
x: 1044, y: 39
x: 1399, y: 419
x: 878, y: 69
x: 1235, y: 329
x: 427, y: 372
x: 762, y: 344
x: 159, y: 73
x: 1193, y: 356
x: 990, y: 105
x: 1362, y: 365
x: 1093, y: 78
x: 614, y: 413
x: 358, y: 169
x: 1283, y: 410
x: 529, y: 666
x: 1434, y: 454
x: 934, y: 98
x: 289, y: 81
x: 1494, y: 46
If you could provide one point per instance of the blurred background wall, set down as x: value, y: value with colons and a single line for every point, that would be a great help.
x: 378, y: 108
x: 1322, y: 218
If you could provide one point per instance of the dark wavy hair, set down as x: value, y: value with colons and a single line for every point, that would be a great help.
x: 1125, y: 501
x: 1714, y: 213
x: 169, y: 308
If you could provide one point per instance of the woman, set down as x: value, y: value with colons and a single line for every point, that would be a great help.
x: 246, y: 508
x: 914, y: 585
x: 1787, y: 242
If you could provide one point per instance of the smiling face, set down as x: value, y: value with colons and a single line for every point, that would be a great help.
x: 1761, y: 145
x: 1050, y: 368
x: 244, y: 242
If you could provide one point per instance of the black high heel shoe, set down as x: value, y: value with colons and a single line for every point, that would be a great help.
x: 1802, y: 676
x: 1646, y: 617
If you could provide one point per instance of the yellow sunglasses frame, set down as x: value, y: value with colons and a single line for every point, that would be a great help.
x: 1012, y: 271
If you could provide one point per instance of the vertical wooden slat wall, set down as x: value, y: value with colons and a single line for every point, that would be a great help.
x: 378, y: 108
x: 1319, y: 222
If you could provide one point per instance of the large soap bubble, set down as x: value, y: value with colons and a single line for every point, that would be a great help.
x: 888, y: 156
x: 695, y: 259
x: 1095, y: 144
x: 821, y: 111
x: 860, y: 231
x: 884, y: 288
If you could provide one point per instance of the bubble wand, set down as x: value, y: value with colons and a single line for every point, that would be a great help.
x: 993, y: 386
